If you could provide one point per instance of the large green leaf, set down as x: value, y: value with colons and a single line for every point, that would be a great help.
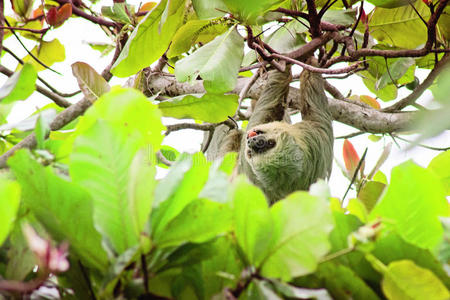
x: 396, y: 70
x: 198, y: 222
x: 405, y: 280
x: 193, y: 32
x: 412, y: 205
x: 401, y: 27
x: 90, y: 82
x: 19, y: 86
x: 250, y: 11
x: 48, y: 53
x: 105, y: 172
x: 207, y: 9
x: 63, y: 207
x: 440, y: 166
x: 151, y: 38
x: 287, y: 38
x: 254, y: 228
x: 217, y: 63
x: 213, y: 108
x: 392, y: 247
x: 9, y: 203
x: 391, y: 3
x: 301, y: 225
x: 179, y: 188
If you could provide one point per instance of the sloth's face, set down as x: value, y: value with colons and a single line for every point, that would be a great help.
x: 258, y: 142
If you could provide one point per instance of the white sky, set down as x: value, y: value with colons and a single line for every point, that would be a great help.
x: 74, y: 34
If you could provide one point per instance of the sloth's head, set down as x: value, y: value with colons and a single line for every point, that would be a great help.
x: 265, y: 140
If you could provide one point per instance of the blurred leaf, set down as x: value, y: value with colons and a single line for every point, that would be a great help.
x: 412, y: 204
x: 254, y: 227
x: 21, y: 260
x: 41, y: 130
x: 250, y: 11
x: 105, y: 172
x: 48, y: 53
x: 9, y: 203
x: 30, y: 122
x: 208, y: 9
x: 150, y: 39
x: 169, y: 153
x: 22, y: 7
x: 147, y: 6
x: 396, y: 70
x: 440, y: 166
x: 291, y: 291
x: 179, y: 188
x: 62, y: 207
x: 213, y: 108
x: 198, y: 222
x: 340, y: 17
x: 301, y: 221
x: 405, y: 280
x: 19, y: 86
x: 391, y: 247
x: 370, y: 101
x: 384, y: 155
x: 391, y: 3
x: 444, y: 248
x: 57, y: 16
x: 118, y: 12
x: 194, y: 32
x: 90, y: 82
x: 217, y: 63
x: 351, y: 157
x: 400, y: 27
x: 357, y: 208
x: 370, y: 193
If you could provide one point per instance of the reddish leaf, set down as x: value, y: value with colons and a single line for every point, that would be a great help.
x: 56, y: 17
x: 38, y: 12
x: 370, y: 101
x: 364, y: 17
x: 147, y: 6
x: 351, y: 158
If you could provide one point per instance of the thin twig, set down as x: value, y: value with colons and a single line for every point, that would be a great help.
x: 350, y: 135
x: 244, y: 91
x: 54, y: 97
x: 144, y: 272
x: 39, y: 31
x: 422, y: 145
x: 337, y: 254
x: 163, y: 159
x: 28, y: 51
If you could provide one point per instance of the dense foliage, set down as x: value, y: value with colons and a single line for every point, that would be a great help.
x: 82, y: 214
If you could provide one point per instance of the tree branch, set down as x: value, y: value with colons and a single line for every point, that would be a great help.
x: 363, y: 118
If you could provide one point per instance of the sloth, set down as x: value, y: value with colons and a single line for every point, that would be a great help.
x: 276, y: 155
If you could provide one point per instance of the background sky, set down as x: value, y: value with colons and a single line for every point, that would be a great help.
x: 75, y: 34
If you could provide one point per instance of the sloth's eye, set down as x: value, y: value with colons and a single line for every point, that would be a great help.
x: 259, y: 132
x: 271, y: 143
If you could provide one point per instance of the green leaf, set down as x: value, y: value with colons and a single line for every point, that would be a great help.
x: 254, y: 228
x: 391, y: 3
x: 130, y: 109
x: 213, y: 108
x: 301, y: 221
x: 250, y: 11
x: 207, y: 9
x: 440, y: 166
x: 151, y: 38
x: 392, y: 247
x: 118, y: 12
x: 387, y: 93
x: 217, y: 63
x: 396, y: 70
x: 370, y: 193
x: 179, y: 188
x: 48, y: 53
x: 400, y: 27
x: 105, y: 172
x: 412, y: 204
x: 340, y: 17
x: 9, y: 203
x: 345, y: 225
x: 405, y: 280
x: 198, y: 222
x: 63, y: 207
x: 357, y: 208
x: 90, y: 82
x: 194, y: 32
x: 19, y: 86
x: 169, y: 153
x: 41, y: 130
x: 287, y: 38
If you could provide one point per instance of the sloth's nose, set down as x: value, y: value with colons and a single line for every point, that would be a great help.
x: 256, y: 142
